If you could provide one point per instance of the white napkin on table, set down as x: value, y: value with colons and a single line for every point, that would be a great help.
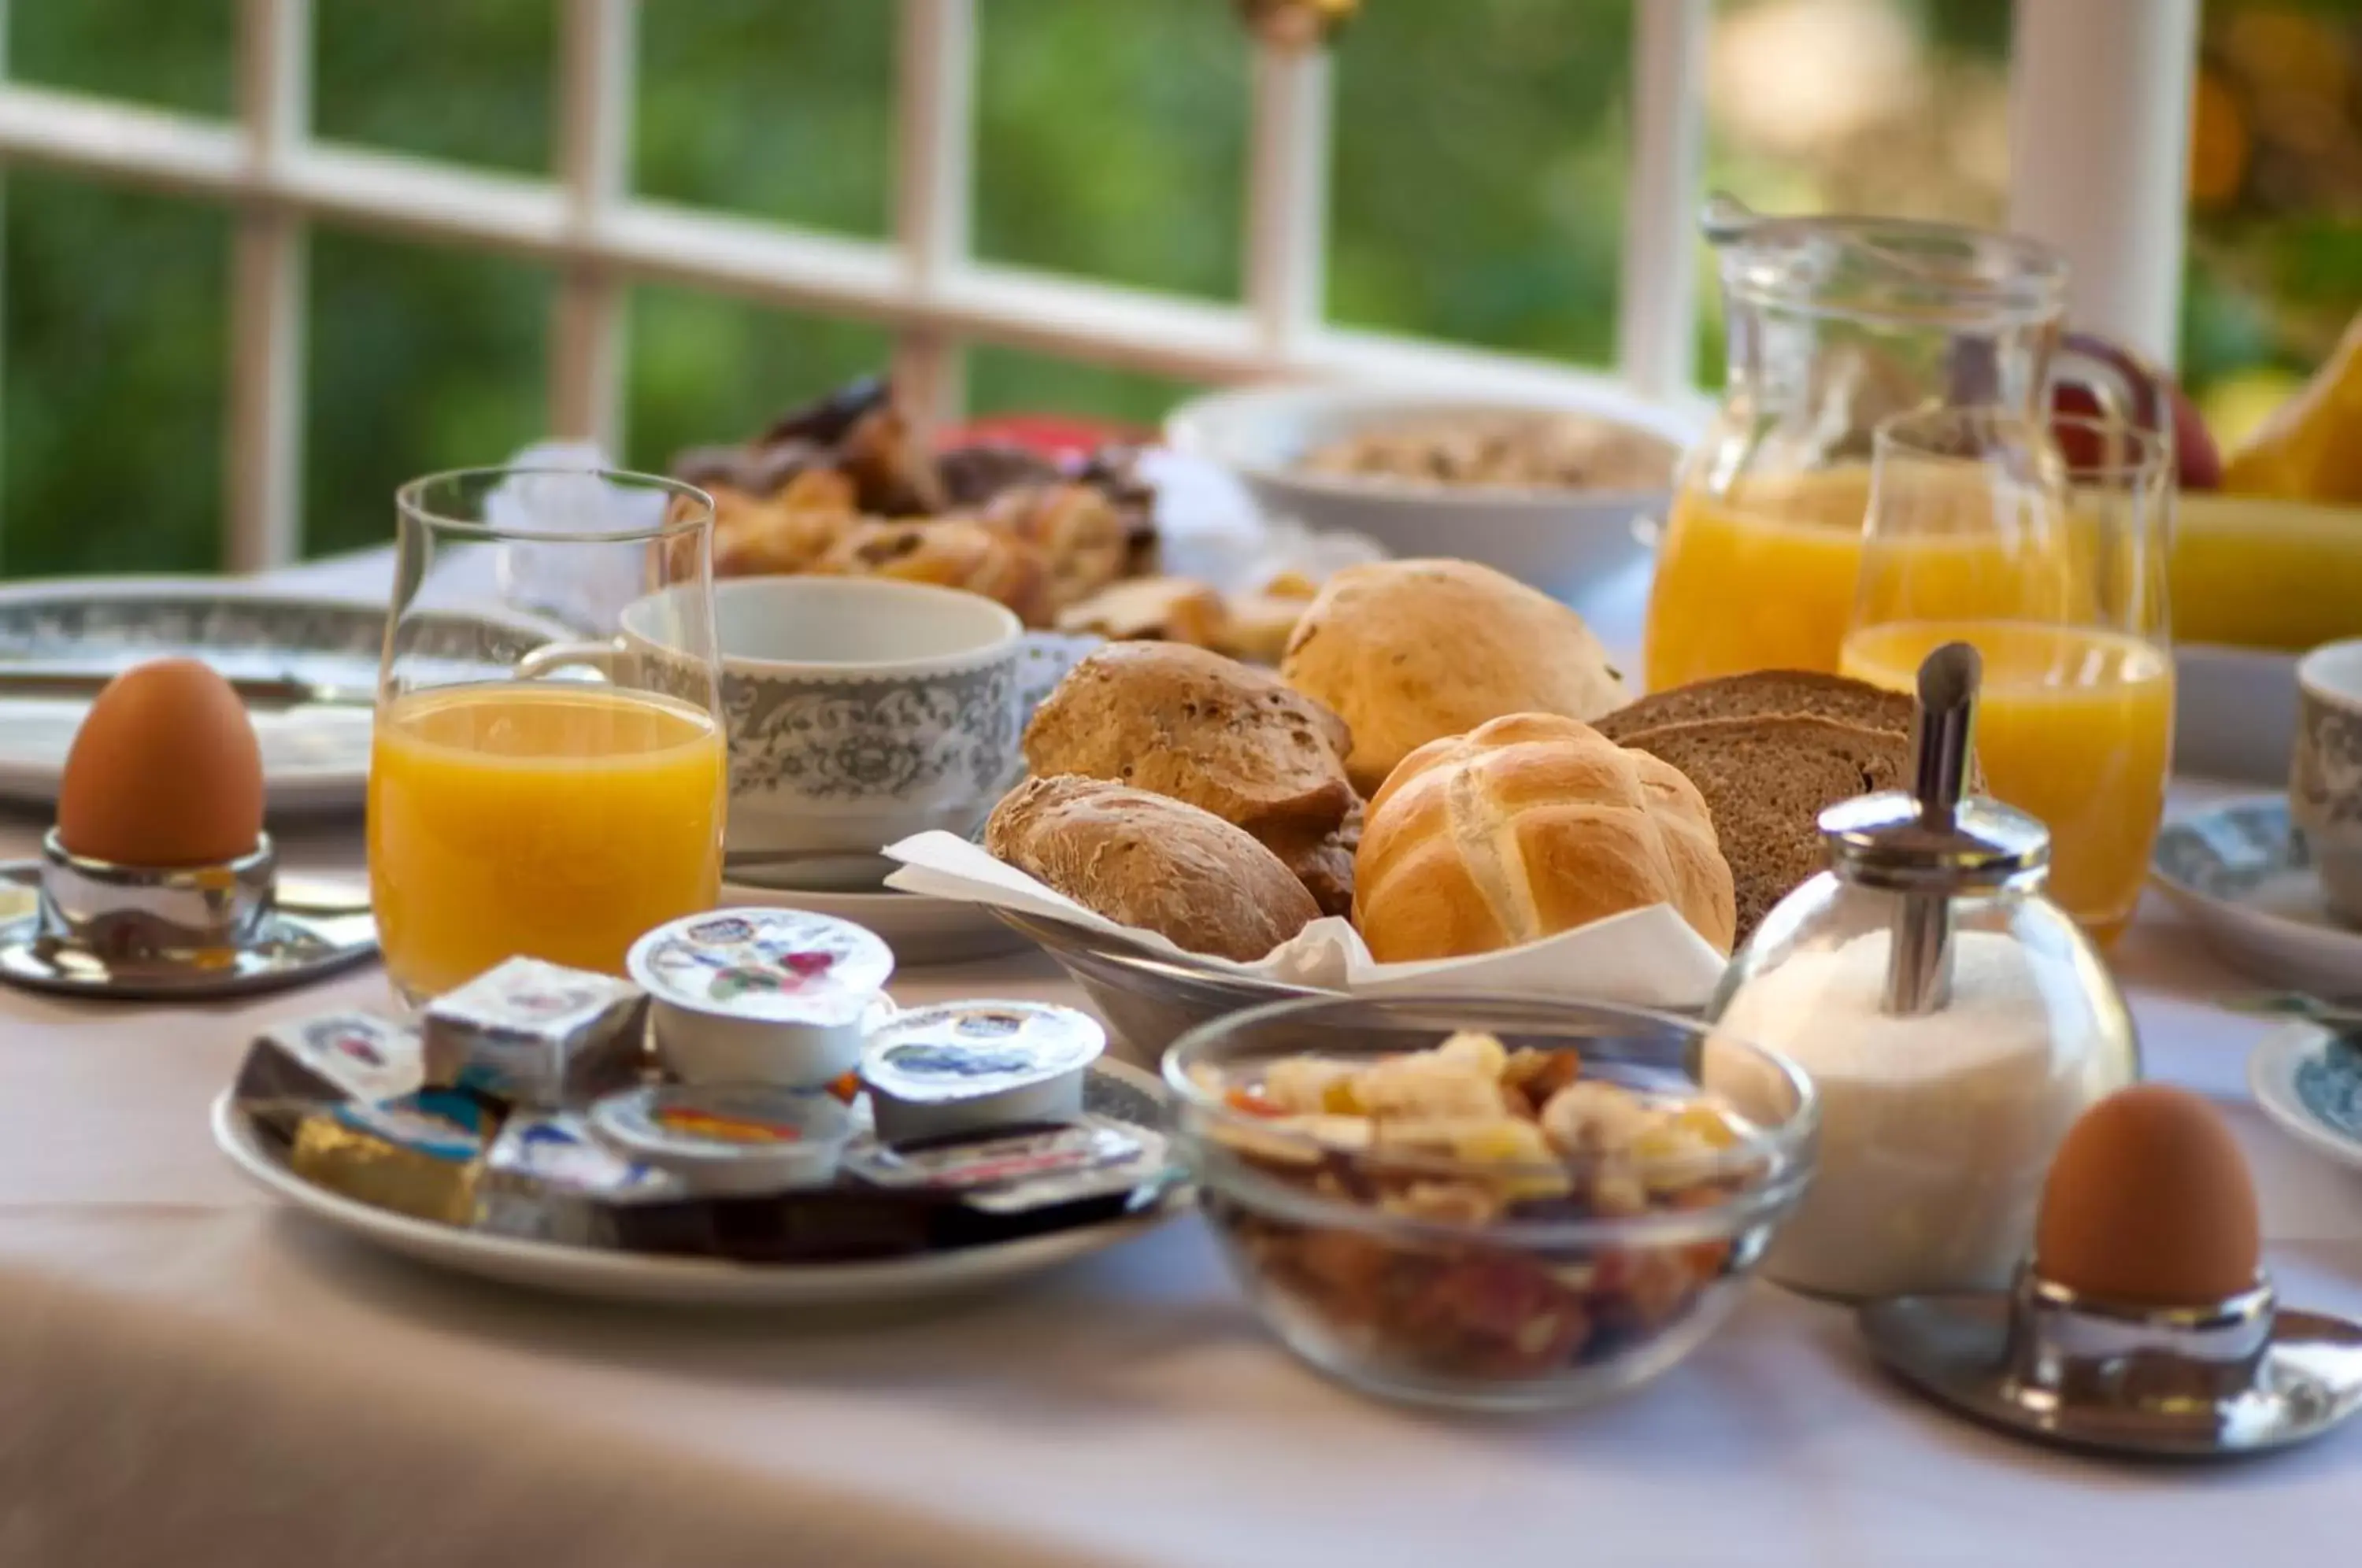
x: 1645, y: 957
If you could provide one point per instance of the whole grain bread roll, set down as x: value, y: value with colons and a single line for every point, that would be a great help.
x: 1766, y: 782
x: 1189, y: 723
x: 1526, y: 826
x: 1760, y: 694
x: 1407, y: 652
x: 1146, y: 860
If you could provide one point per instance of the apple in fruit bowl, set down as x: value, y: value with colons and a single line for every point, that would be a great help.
x: 2156, y: 403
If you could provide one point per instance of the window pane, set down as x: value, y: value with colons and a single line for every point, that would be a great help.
x: 1892, y: 107
x: 117, y: 354
x: 173, y: 56
x: 707, y: 369
x: 783, y: 110
x: 2275, y: 259
x: 1480, y: 173
x: 419, y: 359
x: 1010, y: 381
x: 1111, y: 141
x: 468, y: 83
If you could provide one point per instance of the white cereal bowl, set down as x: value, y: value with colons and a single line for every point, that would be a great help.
x: 1567, y: 543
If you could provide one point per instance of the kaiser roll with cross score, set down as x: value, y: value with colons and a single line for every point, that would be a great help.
x: 1526, y: 826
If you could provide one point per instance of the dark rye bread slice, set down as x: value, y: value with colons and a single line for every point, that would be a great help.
x: 1766, y: 782
x: 1793, y: 692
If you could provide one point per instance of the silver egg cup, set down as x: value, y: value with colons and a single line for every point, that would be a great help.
x: 2242, y: 1375
x: 95, y: 928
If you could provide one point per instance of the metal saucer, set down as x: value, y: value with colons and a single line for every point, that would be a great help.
x: 2244, y: 1377
x: 82, y: 927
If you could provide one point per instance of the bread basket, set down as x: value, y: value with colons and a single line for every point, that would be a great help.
x: 1148, y: 999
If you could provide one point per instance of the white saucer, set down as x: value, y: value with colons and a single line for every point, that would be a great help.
x: 2316, y: 1098
x: 920, y: 930
x: 2241, y: 874
x: 598, y: 1274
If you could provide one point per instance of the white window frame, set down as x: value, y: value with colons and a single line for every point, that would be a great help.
x: 2098, y: 113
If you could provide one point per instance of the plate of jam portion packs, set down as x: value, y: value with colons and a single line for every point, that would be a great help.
x: 542, y: 1199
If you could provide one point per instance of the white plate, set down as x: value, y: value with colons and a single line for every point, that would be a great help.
x: 602, y: 1275
x: 2298, y: 1085
x: 313, y: 758
x: 2241, y: 875
x: 920, y: 930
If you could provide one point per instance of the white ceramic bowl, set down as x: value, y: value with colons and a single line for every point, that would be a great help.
x: 1567, y: 543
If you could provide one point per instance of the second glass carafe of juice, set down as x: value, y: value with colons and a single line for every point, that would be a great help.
x: 1833, y: 324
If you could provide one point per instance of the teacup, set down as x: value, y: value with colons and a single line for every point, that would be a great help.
x: 860, y: 710
x: 2325, y: 779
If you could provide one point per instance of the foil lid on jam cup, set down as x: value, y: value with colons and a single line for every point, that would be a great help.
x: 760, y: 995
x: 966, y: 1066
x: 728, y: 1139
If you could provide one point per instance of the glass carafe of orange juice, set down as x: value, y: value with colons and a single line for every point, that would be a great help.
x: 1833, y: 324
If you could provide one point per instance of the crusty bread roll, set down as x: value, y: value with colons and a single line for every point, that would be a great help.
x: 1526, y: 826
x: 1407, y: 652
x: 1188, y: 723
x: 1148, y: 861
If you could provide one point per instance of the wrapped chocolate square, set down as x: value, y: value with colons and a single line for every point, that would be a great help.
x: 330, y: 1058
x: 546, y: 1179
x: 1020, y: 1171
x: 419, y: 1155
x: 536, y: 1034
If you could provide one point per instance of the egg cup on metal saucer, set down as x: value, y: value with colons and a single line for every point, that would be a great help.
x: 2242, y: 1375
x: 95, y: 928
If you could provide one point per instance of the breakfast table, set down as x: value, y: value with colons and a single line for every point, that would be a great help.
x: 196, y: 1375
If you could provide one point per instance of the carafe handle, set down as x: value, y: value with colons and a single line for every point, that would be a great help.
x: 2122, y: 384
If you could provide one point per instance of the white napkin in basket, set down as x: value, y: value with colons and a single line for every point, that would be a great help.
x: 1648, y: 957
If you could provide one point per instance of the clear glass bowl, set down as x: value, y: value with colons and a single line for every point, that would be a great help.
x: 1548, y: 1303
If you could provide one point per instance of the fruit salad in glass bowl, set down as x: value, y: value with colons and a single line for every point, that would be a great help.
x: 1489, y: 1204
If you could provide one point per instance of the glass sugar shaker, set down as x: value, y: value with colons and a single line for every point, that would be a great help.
x: 1954, y: 1020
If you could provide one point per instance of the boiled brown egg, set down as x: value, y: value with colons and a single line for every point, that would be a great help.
x: 164, y: 771
x: 2148, y: 1201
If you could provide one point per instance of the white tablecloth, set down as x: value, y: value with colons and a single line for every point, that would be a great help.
x: 190, y: 1376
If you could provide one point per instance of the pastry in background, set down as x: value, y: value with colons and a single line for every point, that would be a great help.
x: 1526, y: 826
x: 1256, y: 627
x: 952, y: 553
x: 787, y: 532
x: 1409, y: 652
x: 893, y: 472
x: 1075, y: 529
x: 1149, y: 608
x: 1146, y: 860
x: 1766, y: 780
x: 1190, y: 724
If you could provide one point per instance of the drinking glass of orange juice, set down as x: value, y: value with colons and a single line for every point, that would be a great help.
x: 2054, y: 568
x: 564, y: 810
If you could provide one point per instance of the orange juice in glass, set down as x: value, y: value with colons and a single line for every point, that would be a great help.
x: 546, y: 818
x: 557, y: 818
x: 2065, y: 599
x: 2075, y: 725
